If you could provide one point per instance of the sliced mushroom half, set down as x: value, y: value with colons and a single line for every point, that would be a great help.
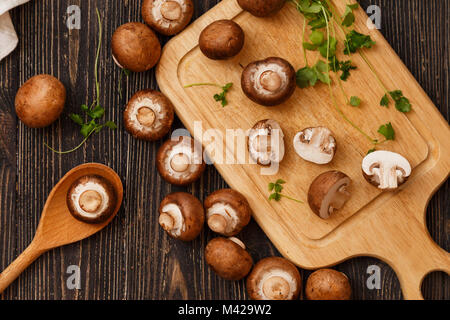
x: 266, y: 142
x: 148, y: 115
x: 385, y: 169
x: 274, y: 278
x: 316, y: 145
x: 227, y: 212
x: 91, y: 199
x: 328, y: 192
x: 269, y: 82
x: 181, y: 215
x: 180, y: 161
x: 167, y: 17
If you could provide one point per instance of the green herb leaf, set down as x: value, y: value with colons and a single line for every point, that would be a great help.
x: 87, y: 128
x: 306, y: 77
x: 321, y: 69
x: 317, y: 37
x: 271, y: 186
x: 331, y: 44
x: 384, y: 101
x: 403, y: 105
x: 349, y: 18
x: 309, y: 46
x: 371, y: 150
x: 355, y: 101
x: 355, y: 40
x: 280, y: 181
x: 84, y: 107
x: 387, y: 131
x: 97, y: 112
x: 76, y: 118
x: 111, y: 125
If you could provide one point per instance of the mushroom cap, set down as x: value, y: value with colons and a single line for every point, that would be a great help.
x: 228, y: 206
x: 385, y: 169
x: 274, y: 278
x: 222, y: 39
x: 262, y: 8
x: 135, y: 47
x: 180, y: 161
x: 167, y: 17
x: 91, y: 199
x: 316, y: 145
x: 40, y: 101
x: 328, y: 193
x: 328, y: 284
x: 269, y: 82
x: 228, y: 259
x: 264, y: 146
x: 182, y: 216
x: 149, y: 115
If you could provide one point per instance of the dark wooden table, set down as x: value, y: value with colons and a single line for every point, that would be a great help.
x: 132, y: 258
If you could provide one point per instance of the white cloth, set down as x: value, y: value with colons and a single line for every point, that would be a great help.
x: 8, y: 36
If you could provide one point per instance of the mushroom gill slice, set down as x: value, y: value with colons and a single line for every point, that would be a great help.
x: 181, y: 215
x: 316, y: 145
x: 262, y: 8
x: 269, y: 82
x: 266, y: 142
x: 227, y: 212
x: 148, y: 115
x: 91, y: 199
x: 180, y: 161
x: 385, y: 169
x: 328, y: 192
x: 228, y: 258
x: 274, y: 278
x: 167, y: 17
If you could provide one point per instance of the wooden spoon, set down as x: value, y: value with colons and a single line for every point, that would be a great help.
x: 57, y: 226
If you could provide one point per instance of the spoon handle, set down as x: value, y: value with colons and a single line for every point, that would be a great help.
x: 31, y: 253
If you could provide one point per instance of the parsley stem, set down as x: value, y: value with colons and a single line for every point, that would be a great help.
x: 100, y: 31
x: 371, y: 67
x: 290, y: 198
x: 202, y: 84
x: 303, y: 41
x: 71, y: 150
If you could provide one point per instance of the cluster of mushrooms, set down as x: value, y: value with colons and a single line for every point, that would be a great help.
x: 149, y: 116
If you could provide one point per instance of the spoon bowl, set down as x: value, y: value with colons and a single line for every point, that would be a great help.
x: 57, y: 226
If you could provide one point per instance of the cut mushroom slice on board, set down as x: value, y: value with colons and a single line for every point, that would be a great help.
x: 91, y: 199
x: 149, y: 115
x: 316, y: 145
x: 167, y: 17
x: 328, y: 192
x: 181, y: 215
x: 385, y: 169
x: 274, y: 278
x: 266, y: 142
x: 227, y: 212
x: 180, y: 161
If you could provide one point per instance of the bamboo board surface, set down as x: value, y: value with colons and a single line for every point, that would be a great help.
x: 371, y: 223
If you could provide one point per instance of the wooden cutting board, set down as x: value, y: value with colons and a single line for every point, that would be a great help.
x: 389, y: 226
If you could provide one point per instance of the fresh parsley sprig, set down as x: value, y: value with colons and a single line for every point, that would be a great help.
x: 276, y: 188
x: 219, y: 97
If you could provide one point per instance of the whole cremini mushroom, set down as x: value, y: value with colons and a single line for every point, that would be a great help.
x: 328, y: 192
x: 266, y: 142
x: 274, y: 278
x: 385, y: 169
x: 222, y: 39
x: 135, y: 47
x: 182, y: 216
x: 180, y: 161
x: 316, y: 145
x: 40, y: 101
x: 328, y: 284
x: 148, y: 115
x: 262, y: 8
x: 167, y: 17
x: 269, y: 82
x: 227, y: 212
x: 228, y: 258
x: 91, y: 199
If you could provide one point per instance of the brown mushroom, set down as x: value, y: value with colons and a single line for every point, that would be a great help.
x: 274, y: 278
x: 227, y: 212
x: 328, y: 192
x: 262, y: 8
x: 266, y: 142
x: 167, y: 17
x: 91, y: 199
x: 40, y: 101
x: 222, y: 39
x: 180, y: 161
x: 182, y: 216
x: 316, y: 145
x: 269, y: 82
x: 135, y: 47
x: 328, y: 284
x: 228, y: 258
x: 148, y: 115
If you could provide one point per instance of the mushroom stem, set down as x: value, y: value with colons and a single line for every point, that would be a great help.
x: 238, y: 242
x: 217, y: 223
x: 146, y: 116
x: 90, y: 201
x: 270, y: 80
x: 171, y: 10
x: 179, y: 162
x: 166, y: 221
x: 276, y: 288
